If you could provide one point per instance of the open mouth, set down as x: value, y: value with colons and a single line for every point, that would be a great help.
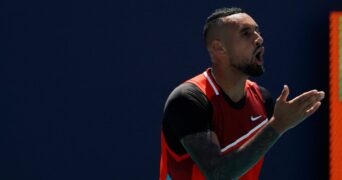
x: 259, y: 55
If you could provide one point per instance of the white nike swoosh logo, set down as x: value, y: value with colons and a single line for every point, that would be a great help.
x: 255, y: 118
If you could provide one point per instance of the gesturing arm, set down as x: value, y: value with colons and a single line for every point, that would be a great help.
x: 204, y: 148
x: 205, y: 151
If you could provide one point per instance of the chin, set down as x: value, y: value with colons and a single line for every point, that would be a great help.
x: 255, y: 71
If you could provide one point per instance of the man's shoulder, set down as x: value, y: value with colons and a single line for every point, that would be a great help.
x: 186, y: 90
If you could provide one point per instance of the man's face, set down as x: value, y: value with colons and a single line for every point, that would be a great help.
x: 243, y: 44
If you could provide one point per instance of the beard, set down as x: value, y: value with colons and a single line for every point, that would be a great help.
x: 253, y: 70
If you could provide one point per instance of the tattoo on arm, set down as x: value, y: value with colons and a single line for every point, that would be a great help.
x: 205, y: 150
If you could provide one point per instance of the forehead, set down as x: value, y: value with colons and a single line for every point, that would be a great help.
x: 239, y: 20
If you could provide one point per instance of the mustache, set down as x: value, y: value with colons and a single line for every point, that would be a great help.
x: 257, y: 48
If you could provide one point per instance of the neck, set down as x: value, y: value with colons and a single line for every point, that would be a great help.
x: 231, y: 82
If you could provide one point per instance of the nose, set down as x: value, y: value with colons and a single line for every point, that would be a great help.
x: 259, y: 40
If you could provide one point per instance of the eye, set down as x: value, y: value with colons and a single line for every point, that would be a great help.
x: 246, y: 33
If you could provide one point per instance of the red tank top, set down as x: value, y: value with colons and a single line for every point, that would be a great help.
x: 232, y: 126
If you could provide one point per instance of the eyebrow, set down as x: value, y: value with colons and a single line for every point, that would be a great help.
x: 248, y: 27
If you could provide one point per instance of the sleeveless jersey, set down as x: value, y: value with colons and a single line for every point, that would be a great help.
x: 232, y: 126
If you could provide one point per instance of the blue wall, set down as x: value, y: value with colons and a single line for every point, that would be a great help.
x: 83, y: 84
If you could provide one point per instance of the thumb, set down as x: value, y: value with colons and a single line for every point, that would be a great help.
x: 284, y: 94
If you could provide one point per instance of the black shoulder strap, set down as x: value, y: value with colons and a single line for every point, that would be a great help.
x: 269, y: 102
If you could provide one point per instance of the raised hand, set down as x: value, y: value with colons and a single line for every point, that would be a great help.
x: 288, y: 114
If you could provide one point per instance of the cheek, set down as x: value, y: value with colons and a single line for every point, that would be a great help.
x: 242, y: 47
x: 241, y: 52
x: 247, y: 51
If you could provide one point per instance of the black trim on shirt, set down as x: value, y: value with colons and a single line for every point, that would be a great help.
x: 268, y: 101
x: 187, y: 111
x: 236, y: 105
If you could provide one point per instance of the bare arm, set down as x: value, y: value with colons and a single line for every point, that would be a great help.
x: 205, y: 149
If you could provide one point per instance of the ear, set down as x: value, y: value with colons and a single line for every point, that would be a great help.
x: 217, y: 47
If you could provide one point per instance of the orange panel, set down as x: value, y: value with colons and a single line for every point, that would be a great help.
x: 335, y: 97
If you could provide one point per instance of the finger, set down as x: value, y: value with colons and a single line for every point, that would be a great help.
x: 321, y: 95
x: 310, y: 102
x: 313, y: 109
x: 304, y: 96
x: 306, y: 104
x: 284, y: 94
